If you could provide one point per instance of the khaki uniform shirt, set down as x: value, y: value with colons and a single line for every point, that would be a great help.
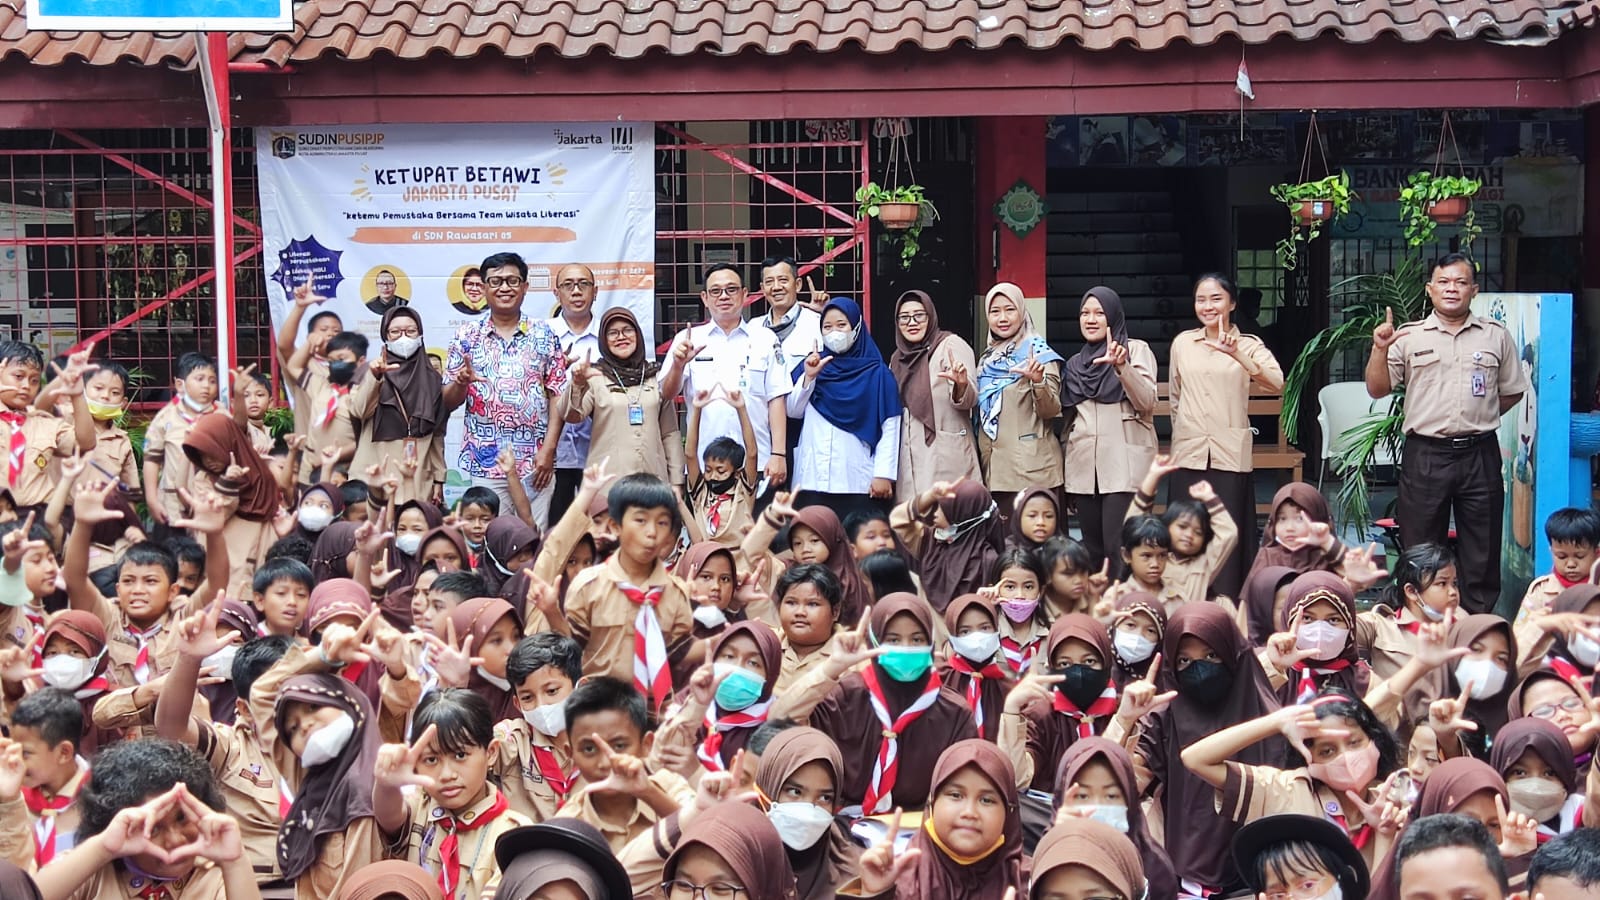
x: 1109, y: 446
x: 419, y: 842
x: 580, y: 806
x: 1539, y: 599
x: 1191, y: 578
x: 114, y: 882
x: 340, y: 431
x: 49, y: 439
x: 525, y: 786
x: 1251, y: 792
x: 735, y: 517
x: 1170, y: 597
x: 163, y: 445
x: 251, y: 787
x: 114, y: 450
x: 1454, y: 382
x: 795, y: 666
x: 1025, y: 452
x: 1211, y: 400
x: 312, y: 379
x: 953, y: 453
x: 647, y: 446
x: 602, y: 617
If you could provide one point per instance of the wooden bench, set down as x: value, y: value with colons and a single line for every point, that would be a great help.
x: 1268, y: 455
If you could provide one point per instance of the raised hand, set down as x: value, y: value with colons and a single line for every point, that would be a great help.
x: 580, y: 372
x: 1101, y: 580
x: 1383, y: 813
x: 305, y: 295
x: 1447, y: 716
x: 1038, y: 686
x: 388, y: 647
x: 716, y: 787
x: 396, y: 765
x: 1384, y: 335
x: 816, y: 297
x: 1202, y: 491
x: 595, y: 477
x: 1433, y: 646
x: 342, y: 644
x: 89, y: 503
x: 1116, y: 355
x: 451, y: 661
x: 752, y: 588
x: 815, y: 363
x: 16, y: 544
x: 780, y: 507
x: 958, y: 378
x: 1031, y: 368
x: 853, y: 647
x: 372, y: 535
x: 208, y: 511
x: 1301, y: 726
x: 1140, y: 698
x: 12, y: 768
x: 234, y: 472
x: 381, y: 575
x: 1162, y: 466
x: 542, y: 597
x: 197, y: 632
x: 625, y: 773
x: 704, y: 682
x: 467, y: 377
x: 381, y: 366
x: 129, y: 833
x: 1519, y: 834
x: 880, y: 867
x: 16, y: 663
x: 1361, y: 568
x: 1225, y: 342
x: 703, y: 399
x: 217, y: 835
x: 283, y: 522
x: 683, y: 352
x: 1283, y: 651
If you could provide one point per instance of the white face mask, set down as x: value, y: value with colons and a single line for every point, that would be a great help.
x: 1113, y: 814
x: 1485, y: 676
x: 1335, y: 893
x: 1584, y: 650
x: 1132, y: 646
x: 1325, y: 640
x: 408, y: 543
x: 839, y: 341
x: 1431, y: 614
x: 978, y: 646
x: 327, y: 742
x: 69, y: 672
x: 549, y: 720
x: 800, y: 825
x: 404, y: 347
x: 710, y: 617
x: 221, y: 662
x: 495, y: 680
x: 315, y: 518
x: 193, y: 404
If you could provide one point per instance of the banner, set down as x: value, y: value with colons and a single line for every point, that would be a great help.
x: 377, y: 215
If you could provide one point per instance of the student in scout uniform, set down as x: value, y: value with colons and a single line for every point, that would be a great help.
x: 35, y: 439
x: 1461, y: 374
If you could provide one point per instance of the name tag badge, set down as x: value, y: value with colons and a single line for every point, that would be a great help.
x: 1480, y: 383
x: 635, y: 414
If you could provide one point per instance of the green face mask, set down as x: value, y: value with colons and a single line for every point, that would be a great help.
x: 906, y: 663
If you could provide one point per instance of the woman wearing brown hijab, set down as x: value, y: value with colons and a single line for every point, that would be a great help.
x: 1081, y: 780
x: 1219, y: 682
x: 823, y: 523
x: 732, y: 844
x: 1462, y: 785
x: 970, y: 844
x: 794, y: 767
x: 955, y: 539
x: 935, y: 369
x: 507, y: 539
x: 392, y: 879
x: 401, y: 407
x: 330, y: 557
x: 1081, y: 857
x: 1569, y: 660
x: 974, y: 667
x: 1292, y: 537
x: 1079, y: 649
x: 1258, y: 602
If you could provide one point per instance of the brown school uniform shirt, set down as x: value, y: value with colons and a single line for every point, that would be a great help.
x: 1251, y: 792
x: 250, y: 786
x: 1191, y: 578
x: 312, y: 379
x: 1538, y: 600
x: 49, y: 439
x: 618, y: 834
x: 420, y: 839
x: 602, y: 617
x: 1109, y: 446
x: 163, y: 445
x: 114, y: 450
x: 795, y: 667
x: 66, y: 820
x: 1169, y: 596
x: 736, y: 514
x: 341, y: 431
x: 526, y: 788
x: 116, y: 883
x: 1211, y: 399
x: 1454, y: 382
x: 124, y: 647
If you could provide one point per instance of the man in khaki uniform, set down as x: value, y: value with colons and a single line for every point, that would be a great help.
x: 1461, y: 374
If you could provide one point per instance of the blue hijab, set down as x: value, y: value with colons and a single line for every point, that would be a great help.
x: 855, y: 391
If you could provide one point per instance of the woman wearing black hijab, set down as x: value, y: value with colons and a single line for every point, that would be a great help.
x: 401, y: 406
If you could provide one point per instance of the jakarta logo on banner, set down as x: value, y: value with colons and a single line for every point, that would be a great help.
x: 379, y: 215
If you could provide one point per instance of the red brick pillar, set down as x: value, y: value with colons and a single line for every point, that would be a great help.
x: 1009, y: 148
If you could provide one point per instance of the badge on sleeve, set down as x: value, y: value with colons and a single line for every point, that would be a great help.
x: 1480, y: 383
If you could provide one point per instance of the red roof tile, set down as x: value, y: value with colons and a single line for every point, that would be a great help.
x: 414, y: 29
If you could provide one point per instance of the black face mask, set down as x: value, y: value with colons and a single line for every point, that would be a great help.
x: 724, y: 486
x: 341, y: 372
x: 1083, y: 684
x: 1205, y: 682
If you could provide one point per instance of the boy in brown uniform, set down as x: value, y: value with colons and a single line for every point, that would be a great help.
x: 1461, y: 373
x: 35, y: 440
x: 534, y: 763
x: 47, y: 724
x: 166, y: 467
x: 303, y: 383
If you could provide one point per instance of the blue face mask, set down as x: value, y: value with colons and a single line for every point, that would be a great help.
x: 906, y: 663
x: 739, y: 689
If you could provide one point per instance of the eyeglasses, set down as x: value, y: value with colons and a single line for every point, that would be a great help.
x: 403, y: 333
x: 575, y: 285
x: 912, y: 318
x: 1548, y: 710
x: 510, y: 281
x: 730, y: 291
x: 617, y: 333
x: 686, y: 890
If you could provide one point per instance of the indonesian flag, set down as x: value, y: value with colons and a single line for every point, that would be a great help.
x: 1241, y: 81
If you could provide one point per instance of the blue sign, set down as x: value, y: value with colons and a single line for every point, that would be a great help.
x: 161, y: 15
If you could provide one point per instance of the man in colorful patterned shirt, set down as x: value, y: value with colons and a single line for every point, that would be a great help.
x: 507, y: 368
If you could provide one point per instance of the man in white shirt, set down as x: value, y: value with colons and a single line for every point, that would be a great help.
x: 576, y: 327
x: 798, y: 326
x: 742, y: 356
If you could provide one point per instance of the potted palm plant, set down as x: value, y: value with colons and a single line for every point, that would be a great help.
x: 1311, y: 204
x: 1429, y: 200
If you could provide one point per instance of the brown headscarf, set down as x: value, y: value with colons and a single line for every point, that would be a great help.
x: 1545, y: 739
x: 1016, y: 537
x: 1050, y: 733
x: 560, y: 849
x: 336, y: 793
x: 477, y: 617
x: 222, y: 697
x: 1304, y: 591
x: 391, y: 878
x: 411, y: 566
x: 737, y: 737
x: 218, y: 438
x: 822, y: 868
x: 690, y: 563
x: 1272, y: 553
x: 1083, y: 379
x: 456, y: 539
x: 935, y: 874
x: 630, y: 372
x: 17, y: 884
x: 410, y: 395
x: 1515, y: 706
x: 961, y: 565
x: 744, y: 838
x: 86, y: 632
x: 1126, y: 605
x: 1574, y: 599
x: 1490, y: 712
x: 1258, y: 597
x: 909, y: 363
x: 857, y: 593
x: 1102, y: 849
x: 1157, y: 867
x: 991, y: 690
x: 330, y: 555
x: 345, y: 597
x: 505, y: 538
x: 1199, y: 845
x: 335, y: 498
x: 1447, y: 788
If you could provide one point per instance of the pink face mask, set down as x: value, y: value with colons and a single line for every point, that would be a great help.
x: 1018, y: 610
x: 1353, y: 770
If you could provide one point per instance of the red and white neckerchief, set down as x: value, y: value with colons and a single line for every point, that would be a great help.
x: 550, y: 769
x: 650, y: 673
x: 285, y: 799
x: 1019, y: 656
x: 141, y: 662
x: 44, y: 811
x: 332, y: 409
x: 1566, y: 668
x: 714, y: 514
x: 19, y: 445
x: 352, y: 673
x: 886, y: 768
x: 1194, y: 890
x: 450, y: 847
x: 36, y: 619
x: 710, y: 750
x: 975, y: 677
x: 93, y: 687
x: 1103, y: 705
x: 1306, y: 687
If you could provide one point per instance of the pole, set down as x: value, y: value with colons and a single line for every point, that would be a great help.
x: 212, y: 57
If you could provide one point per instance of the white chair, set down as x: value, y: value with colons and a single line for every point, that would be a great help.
x: 1342, y: 406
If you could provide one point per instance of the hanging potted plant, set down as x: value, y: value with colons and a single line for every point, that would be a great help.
x: 1429, y: 200
x: 1311, y: 205
x: 901, y: 212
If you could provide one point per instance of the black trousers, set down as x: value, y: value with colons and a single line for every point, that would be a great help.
x: 1441, y: 475
x: 562, y: 489
x: 1237, y: 491
x: 1100, y: 518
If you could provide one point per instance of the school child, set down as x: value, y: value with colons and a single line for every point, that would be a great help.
x: 282, y: 589
x: 1203, y: 534
x: 975, y: 666
x: 454, y: 812
x: 37, y: 441
x: 144, y: 800
x: 442, y: 595
x: 105, y: 392
x: 1146, y: 549
x: 1018, y: 580
x: 721, y: 486
x: 1295, y: 855
x: 1535, y: 759
x: 815, y: 536
x: 1138, y: 626
x: 954, y: 532
x: 1546, y: 694
x: 75, y: 659
x: 1067, y: 697
x: 1071, y: 585
x: 728, y: 698
x: 166, y: 466
x: 1574, y: 538
x: 48, y: 724
x: 807, y: 599
x: 633, y: 594
x: 1426, y: 589
x: 28, y: 575
x: 1299, y: 533
x: 330, y: 427
x: 1035, y: 519
x: 608, y: 727
x: 534, y: 762
x: 305, y: 374
x: 1567, y: 636
x: 868, y: 532
x: 221, y: 454
x: 477, y: 508
x: 251, y: 398
x: 487, y: 629
x: 1096, y: 777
